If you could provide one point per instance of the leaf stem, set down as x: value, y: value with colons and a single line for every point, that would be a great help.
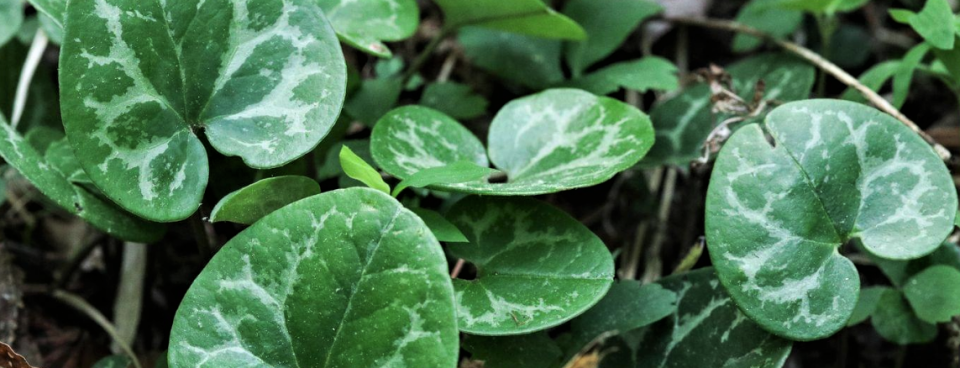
x: 653, y: 268
x: 820, y: 62
x: 39, y: 44
x: 425, y: 54
x: 90, y: 311
x: 200, y: 235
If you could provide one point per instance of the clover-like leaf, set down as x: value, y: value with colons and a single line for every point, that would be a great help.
x: 776, y: 215
x: 264, y: 80
x: 639, y: 75
x: 366, y: 24
x: 934, y: 293
x: 536, y: 266
x: 11, y: 17
x: 252, y: 202
x: 896, y: 322
x: 707, y: 330
x: 348, y: 278
x: 548, y: 142
x: 104, y: 215
x: 935, y: 22
x: 684, y: 122
x: 607, y: 24
x: 529, y: 17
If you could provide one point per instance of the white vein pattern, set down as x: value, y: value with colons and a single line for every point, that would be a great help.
x: 141, y: 92
x: 907, y: 176
x: 258, y: 291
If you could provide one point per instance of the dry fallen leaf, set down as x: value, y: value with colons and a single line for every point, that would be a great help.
x: 10, y: 359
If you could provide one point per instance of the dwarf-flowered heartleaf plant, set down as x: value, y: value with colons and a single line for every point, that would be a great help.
x: 778, y: 211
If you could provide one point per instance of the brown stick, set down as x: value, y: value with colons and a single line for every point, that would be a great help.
x: 821, y: 63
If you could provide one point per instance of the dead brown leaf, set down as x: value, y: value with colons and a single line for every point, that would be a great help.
x: 10, y: 359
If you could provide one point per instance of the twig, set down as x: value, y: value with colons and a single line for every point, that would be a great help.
x: 821, y: 63
x: 447, y: 67
x: 653, y: 268
x: 425, y: 55
x: 129, y: 300
x: 82, y: 306
x: 457, y: 268
x: 200, y: 235
x: 26, y: 75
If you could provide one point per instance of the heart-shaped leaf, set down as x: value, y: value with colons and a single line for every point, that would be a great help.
x: 366, y: 24
x: 347, y: 278
x: 866, y: 305
x: 684, y: 122
x: 934, y: 293
x: 11, y: 17
x: 777, y: 215
x: 104, y: 215
x: 530, y: 17
x: 536, y: 266
x: 264, y: 80
x: 548, y: 142
x: 639, y: 75
x: 252, y: 202
x: 607, y: 24
x: 707, y: 330
x: 896, y: 322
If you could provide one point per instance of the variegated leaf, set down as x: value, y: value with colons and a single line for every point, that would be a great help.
x: 50, y: 181
x: 707, y: 330
x: 548, y: 142
x: 777, y: 214
x: 264, y: 80
x: 344, y: 279
x: 366, y: 24
x: 536, y: 266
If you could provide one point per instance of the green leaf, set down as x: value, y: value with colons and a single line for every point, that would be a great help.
x: 331, y: 163
x: 41, y: 137
x: 55, y: 9
x: 113, y: 361
x: 366, y: 24
x: 263, y: 82
x: 838, y: 170
x: 707, y: 330
x: 827, y: 7
x: 904, y: 74
x: 935, y: 23
x: 11, y: 17
x: 526, y: 60
x: 442, y: 228
x: 934, y: 293
x: 536, y: 266
x: 902, y: 15
x: 866, y: 305
x: 548, y: 142
x: 103, y: 215
x: 457, y: 172
x: 626, y: 307
x: 528, y: 17
x: 650, y: 72
x: 895, y: 321
x: 374, y: 98
x: 352, y: 263
x: 534, y: 350
x: 684, y: 122
x: 252, y: 202
x: 454, y: 99
x: 355, y: 167
x: 607, y: 24
x: 61, y: 158
x: 899, y: 271
x: 874, y: 78
x: 53, y: 30
x: 759, y: 14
